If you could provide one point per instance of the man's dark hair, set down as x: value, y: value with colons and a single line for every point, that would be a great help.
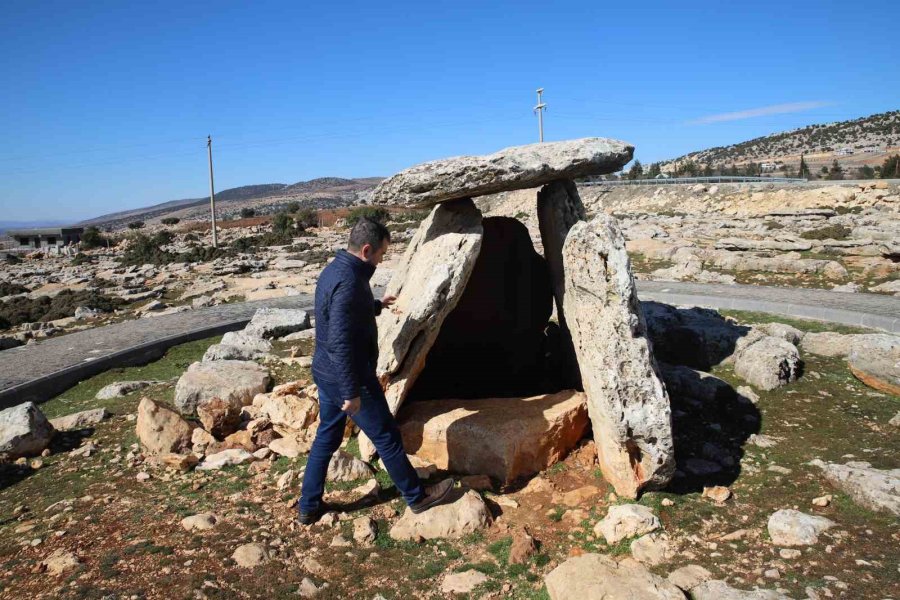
x: 367, y: 231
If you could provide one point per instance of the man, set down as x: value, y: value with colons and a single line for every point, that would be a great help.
x: 344, y: 370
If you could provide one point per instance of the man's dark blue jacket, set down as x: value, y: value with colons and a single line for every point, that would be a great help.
x: 346, y: 334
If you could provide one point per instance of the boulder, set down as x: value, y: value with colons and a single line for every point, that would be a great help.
x: 364, y: 530
x: 652, y: 549
x: 24, y: 431
x: 161, y: 430
x: 463, y: 513
x: 199, y: 522
x: 595, y: 576
x: 346, y: 467
x: 233, y: 381
x: 515, y: 168
x: 689, y: 577
x: 625, y: 521
x: 478, y: 437
x: 289, y: 412
x: 876, y: 362
x: 59, y: 562
x: 219, y: 417
x: 268, y: 323
x: 428, y: 283
x: 121, y: 388
x: 627, y: 403
x: 79, y: 420
x: 717, y: 589
x: 289, y: 446
x: 768, y: 363
x: 238, y: 345
x: 788, y: 527
x: 875, y: 489
x: 250, y: 555
x: 225, y: 458
x: 463, y: 583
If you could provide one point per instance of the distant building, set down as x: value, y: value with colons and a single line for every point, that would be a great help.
x: 768, y: 166
x: 844, y: 152
x: 662, y: 176
x: 50, y: 238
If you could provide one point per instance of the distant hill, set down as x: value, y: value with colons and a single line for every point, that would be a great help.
x: 7, y: 225
x: 324, y: 192
x: 866, y: 139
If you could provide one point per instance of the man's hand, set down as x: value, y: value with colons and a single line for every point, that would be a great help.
x: 351, y: 406
x: 387, y: 301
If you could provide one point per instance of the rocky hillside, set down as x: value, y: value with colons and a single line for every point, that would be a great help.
x: 872, y: 135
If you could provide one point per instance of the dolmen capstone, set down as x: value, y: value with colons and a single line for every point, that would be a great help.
x: 499, y: 336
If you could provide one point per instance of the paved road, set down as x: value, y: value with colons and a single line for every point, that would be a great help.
x: 39, y: 371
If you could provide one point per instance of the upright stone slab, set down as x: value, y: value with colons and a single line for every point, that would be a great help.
x: 515, y: 168
x: 627, y: 403
x: 559, y: 208
x: 428, y: 283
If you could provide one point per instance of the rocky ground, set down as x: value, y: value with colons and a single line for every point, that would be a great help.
x: 784, y: 483
x: 830, y: 236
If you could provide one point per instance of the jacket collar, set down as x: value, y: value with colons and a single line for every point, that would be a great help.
x: 359, y: 266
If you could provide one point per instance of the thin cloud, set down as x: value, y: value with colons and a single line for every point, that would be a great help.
x: 776, y: 109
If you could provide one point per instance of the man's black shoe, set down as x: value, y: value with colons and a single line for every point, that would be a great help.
x: 308, y: 518
x: 434, y: 495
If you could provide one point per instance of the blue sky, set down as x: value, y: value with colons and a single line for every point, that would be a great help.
x: 106, y: 105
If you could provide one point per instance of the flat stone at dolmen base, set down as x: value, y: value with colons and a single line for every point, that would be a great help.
x: 515, y: 168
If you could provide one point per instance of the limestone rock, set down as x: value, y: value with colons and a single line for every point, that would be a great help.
x: 626, y: 520
x: 346, y: 467
x: 238, y: 345
x: 219, y: 417
x: 268, y: 323
x: 59, y: 562
x: 24, y: 431
x: 289, y: 446
x: 428, y: 283
x: 463, y: 583
x: 717, y: 589
x: 768, y: 363
x: 515, y: 168
x: 595, y: 576
x: 523, y: 547
x: 479, y: 437
x: 463, y: 513
x: 652, y: 549
x: 364, y: 530
x: 122, y: 388
x: 233, y: 381
x: 250, y: 555
x: 788, y: 527
x: 876, y: 362
x: 875, y: 489
x: 627, y: 403
x: 199, y: 522
x: 689, y: 577
x: 79, y: 420
x: 162, y: 430
x: 291, y: 412
x: 225, y: 458
x: 201, y: 440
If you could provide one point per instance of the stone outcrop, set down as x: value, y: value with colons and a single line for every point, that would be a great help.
x: 346, y: 467
x: 233, y: 381
x: 598, y: 576
x: 625, y: 521
x: 876, y: 362
x: 559, y: 208
x: 219, y: 417
x: 428, y: 283
x: 790, y: 527
x: 478, y: 437
x: 161, y: 430
x: 121, y: 388
x: 24, y: 431
x: 79, y: 420
x: 768, y: 363
x: 515, y: 168
x: 720, y: 590
x: 875, y: 489
x: 464, y: 512
x: 268, y: 323
x: 627, y: 403
x: 238, y: 345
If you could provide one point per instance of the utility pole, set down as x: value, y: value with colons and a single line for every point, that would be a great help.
x: 212, y: 193
x: 539, y: 109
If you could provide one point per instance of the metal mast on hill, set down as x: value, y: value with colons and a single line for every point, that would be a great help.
x: 539, y: 109
x: 212, y: 193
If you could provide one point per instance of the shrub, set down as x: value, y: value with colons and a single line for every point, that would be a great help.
x: 92, y: 238
x: 163, y: 237
x: 773, y: 225
x: 307, y: 217
x: 7, y: 288
x: 43, y: 308
x: 136, y: 225
x: 368, y: 212
x: 282, y: 224
x: 12, y: 259
x: 852, y: 210
x: 247, y: 213
x: 4, y: 324
x: 81, y: 259
x: 292, y: 207
x: 170, y: 221
x: 248, y: 243
x: 830, y: 232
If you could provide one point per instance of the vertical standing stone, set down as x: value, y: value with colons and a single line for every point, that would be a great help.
x: 428, y: 283
x: 627, y: 403
x: 559, y: 207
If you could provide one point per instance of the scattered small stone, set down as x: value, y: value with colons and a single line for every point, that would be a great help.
x: 789, y: 527
x: 143, y: 476
x: 340, y: 541
x: 199, y: 522
x: 626, y: 520
x: 250, y: 555
x: 822, y: 501
x: 463, y: 583
x: 718, y: 494
x: 789, y: 553
x: 364, y: 530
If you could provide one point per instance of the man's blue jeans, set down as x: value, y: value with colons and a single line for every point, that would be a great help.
x: 377, y: 422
